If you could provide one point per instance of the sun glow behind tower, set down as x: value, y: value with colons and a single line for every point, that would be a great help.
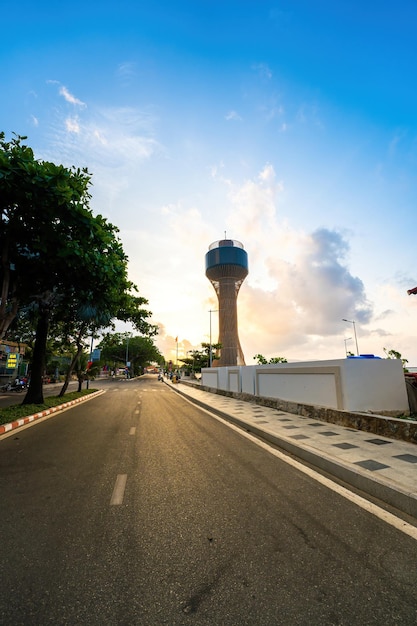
x: 226, y: 269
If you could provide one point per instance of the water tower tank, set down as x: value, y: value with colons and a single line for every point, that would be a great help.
x: 226, y: 269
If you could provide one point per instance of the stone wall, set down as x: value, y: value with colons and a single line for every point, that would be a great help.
x: 392, y: 427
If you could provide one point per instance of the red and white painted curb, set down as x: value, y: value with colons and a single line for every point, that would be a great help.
x: 5, y: 428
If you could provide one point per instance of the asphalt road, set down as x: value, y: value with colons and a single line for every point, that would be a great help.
x: 137, y: 508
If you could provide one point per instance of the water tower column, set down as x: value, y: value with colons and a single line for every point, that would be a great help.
x: 228, y: 321
x: 226, y: 268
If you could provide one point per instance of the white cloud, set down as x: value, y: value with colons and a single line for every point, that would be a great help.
x: 126, y: 70
x: 263, y: 70
x: 314, y: 290
x: 299, y: 285
x: 232, y: 115
x: 72, y: 125
x: 105, y: 140
x: 308, y: 113
x: 63, y: 91
x: 272, y: 110
x: 255, y: 204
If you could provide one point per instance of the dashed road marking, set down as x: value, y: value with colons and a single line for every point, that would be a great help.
x: 119, y: 490
x: 132, y: 430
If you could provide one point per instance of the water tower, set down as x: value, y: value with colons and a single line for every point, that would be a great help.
x: 226, y: 269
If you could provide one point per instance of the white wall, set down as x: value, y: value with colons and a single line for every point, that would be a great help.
x: 226, y: 378
x: 210, y: 377
x: 320, y: 385
x: 234, y: 382
x: 248, y: 379
x: 375, y: 385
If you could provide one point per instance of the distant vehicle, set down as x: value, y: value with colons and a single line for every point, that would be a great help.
x: 17, y: 385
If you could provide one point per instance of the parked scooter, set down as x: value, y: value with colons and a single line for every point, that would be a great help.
x: 18, y: 386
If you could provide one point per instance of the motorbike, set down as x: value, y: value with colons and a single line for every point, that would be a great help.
x: 17, y: 386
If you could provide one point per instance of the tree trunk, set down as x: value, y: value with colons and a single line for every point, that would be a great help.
x: 70, y: 370
x: 34, y: 394
x: 8, y: 301
x: 78, y: 343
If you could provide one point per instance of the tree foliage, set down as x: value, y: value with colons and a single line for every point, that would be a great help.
x: 261, y: 360
x: 394, y: 354
x: 59, y: 261
x: 201, y: 358
x: 117, y: 348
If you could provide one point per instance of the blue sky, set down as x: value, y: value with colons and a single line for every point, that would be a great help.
x: 289, y: 125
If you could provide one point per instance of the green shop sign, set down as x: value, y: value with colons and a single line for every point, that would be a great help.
x: 12, y: 361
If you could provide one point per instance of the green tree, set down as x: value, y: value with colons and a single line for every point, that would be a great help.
x: 196, y: 361
x: 393, y: 354
x: 261, y: 360
x: 201, y: 358
x: 34, y: 199
x: 140, y: 351
x: 59, y: 260
x: 214, y: 349
x: 80, y: 368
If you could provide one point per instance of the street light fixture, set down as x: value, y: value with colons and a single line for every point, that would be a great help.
x: 354, y: 332
x: 346, y: 340
x: 210, y: 354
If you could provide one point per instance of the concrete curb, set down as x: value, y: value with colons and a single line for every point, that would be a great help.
x: 5, y: 428
x: 395, y: 496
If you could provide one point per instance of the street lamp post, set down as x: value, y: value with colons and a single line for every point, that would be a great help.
x: 192, y: 352
x: 346, y: 340
x: 210, y: 354
x: 90, y: 361
x: 127, y: 354
x: 354, y: 332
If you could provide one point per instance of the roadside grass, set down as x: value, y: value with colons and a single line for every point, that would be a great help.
x: 18, y: 411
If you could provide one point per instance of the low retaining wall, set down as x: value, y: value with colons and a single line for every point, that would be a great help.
x: 391, y: 427
x: 357, y: 384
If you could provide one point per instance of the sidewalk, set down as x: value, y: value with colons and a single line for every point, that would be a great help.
x: 383, y: 468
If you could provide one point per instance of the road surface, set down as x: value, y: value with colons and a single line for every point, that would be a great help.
x: 139, y: 508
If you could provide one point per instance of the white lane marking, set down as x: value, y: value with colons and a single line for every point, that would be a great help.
x: 132, y: 430
x: 137, y: 412
x: 385, y: 516
x: 368, y: 506
x: 119, y: 489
